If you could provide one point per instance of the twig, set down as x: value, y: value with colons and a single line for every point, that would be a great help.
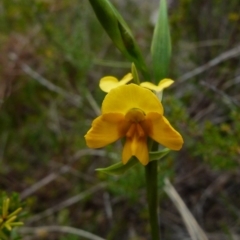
x: 108, y: 206
x: 232, y: 82
x: 73, y: 98
x: 215, y: 187
x: 203, y: 112
x: 93, y: 103
x: 67, y: 202
x: 64, y: 169
x: 194, y: 230
x: 227, y: 98
x: 43, y: 230
x: 46, y: 180
x: 222, y: 57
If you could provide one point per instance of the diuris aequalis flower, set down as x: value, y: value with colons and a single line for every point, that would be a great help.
x: 135, y: 113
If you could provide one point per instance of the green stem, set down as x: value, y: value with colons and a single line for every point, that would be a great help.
x: 151, y: 171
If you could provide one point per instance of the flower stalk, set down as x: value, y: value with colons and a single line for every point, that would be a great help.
x: 151, y: 174
x: 161, y: 54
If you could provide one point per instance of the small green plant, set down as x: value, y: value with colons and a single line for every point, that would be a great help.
x: 10, y: 208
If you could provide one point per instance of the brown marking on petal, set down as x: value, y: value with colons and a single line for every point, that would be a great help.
x: 135, y: 115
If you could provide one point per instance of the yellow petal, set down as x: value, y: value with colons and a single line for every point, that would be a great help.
x: 140, y: 150
x: 126, y: 97
x: 160, y: 130
x: 109, y: 82
x: 127, y: 78
x: 164, y: 83
x: 135, y: 147
x: 105, y: 129
x: 149, y: 85
x: 126, y: 153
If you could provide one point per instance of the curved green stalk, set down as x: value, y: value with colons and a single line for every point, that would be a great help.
x: 151, y: 174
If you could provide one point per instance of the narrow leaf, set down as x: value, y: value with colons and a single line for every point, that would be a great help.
x: 119, y: 32
x: 161, y: 44
x: 159, y: 154
x: 119, y: 168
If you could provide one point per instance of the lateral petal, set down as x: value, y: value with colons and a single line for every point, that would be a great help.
x: 127, y: 78
x: 149, y: 85
x: 164, y: 83
x: 109, y: 82
x: 160, y: 130
x: 105, y: 129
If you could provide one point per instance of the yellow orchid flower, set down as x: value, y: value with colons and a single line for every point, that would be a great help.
x: 136, y: 113
x: 164, y: 83
x: 109, y: 82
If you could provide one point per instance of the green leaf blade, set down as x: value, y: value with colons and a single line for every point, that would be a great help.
x: 161, y: 44
x: 120, y: 168
x: 119, y: 32
x: 159, y: 154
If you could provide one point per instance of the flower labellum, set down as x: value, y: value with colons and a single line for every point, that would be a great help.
x: 134, y: 113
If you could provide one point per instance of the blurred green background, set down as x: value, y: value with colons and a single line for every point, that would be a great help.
x: 52, y: 55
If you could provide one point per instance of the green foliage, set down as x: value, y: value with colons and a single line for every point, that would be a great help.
x: 10, y: 207
x: 15, y: 201
x: 30, y: 123
x: 119, y: 32
x: 161, y: 44
x: 219, y: 144
x: 127, y: 184
x: 69, y: 237
x: 13, y: 13
x: 134, y: 179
